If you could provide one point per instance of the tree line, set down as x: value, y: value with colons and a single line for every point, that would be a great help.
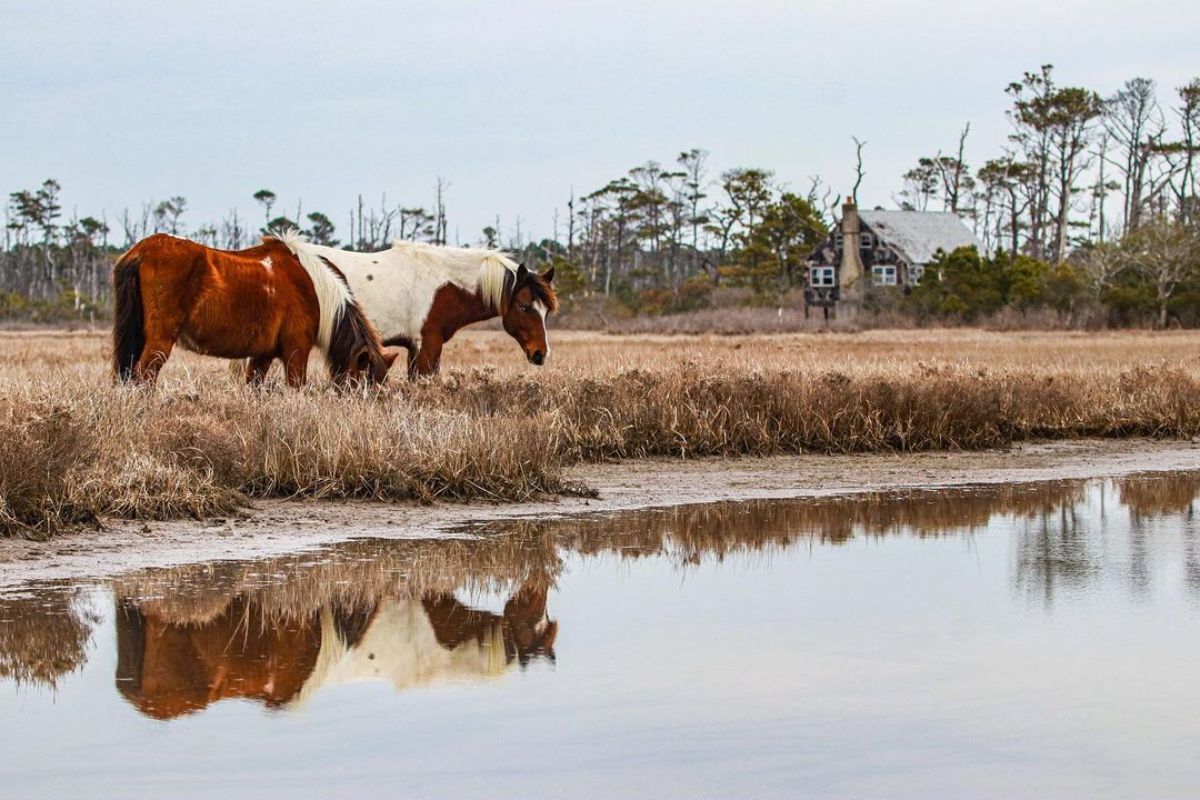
x: 1090, y: 209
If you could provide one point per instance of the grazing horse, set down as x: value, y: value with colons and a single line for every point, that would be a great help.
x: 262, y: 304
x: 420, y: 295
x: 169, y: 667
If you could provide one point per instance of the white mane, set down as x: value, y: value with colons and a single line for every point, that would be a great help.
x: 475, y: 269
x: 332, y: 292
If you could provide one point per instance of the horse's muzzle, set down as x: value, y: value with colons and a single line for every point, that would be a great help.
x: 537, y: 357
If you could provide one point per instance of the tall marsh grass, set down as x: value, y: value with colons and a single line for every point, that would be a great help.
x: 76, y: 449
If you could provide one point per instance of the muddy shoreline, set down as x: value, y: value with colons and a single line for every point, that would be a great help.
x: 282, y: 526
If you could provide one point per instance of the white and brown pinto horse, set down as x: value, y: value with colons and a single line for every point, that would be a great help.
x: 419, y: 295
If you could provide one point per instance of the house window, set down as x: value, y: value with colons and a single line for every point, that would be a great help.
x: 819, y: 277
x: 915, y: 273
x: 884, y: 275
x: 866, y: 241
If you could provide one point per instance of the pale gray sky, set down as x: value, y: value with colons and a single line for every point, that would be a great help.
x: 517, y: 102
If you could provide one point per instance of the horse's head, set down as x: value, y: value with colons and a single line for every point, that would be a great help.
x: 531, y: 631
x: 530, y: 301
x: 369, y: 365
x: 356, y: 355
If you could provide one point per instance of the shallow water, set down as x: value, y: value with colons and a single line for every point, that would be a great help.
x: 1020, y: 641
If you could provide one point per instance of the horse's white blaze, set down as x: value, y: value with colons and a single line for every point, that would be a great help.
x: 401, y: 647
x: 541, y: 309
x: 268, y: 265
x: 332, y: 293
x: 395, y: 288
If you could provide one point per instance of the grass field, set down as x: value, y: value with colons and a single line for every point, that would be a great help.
x: 77, y: 449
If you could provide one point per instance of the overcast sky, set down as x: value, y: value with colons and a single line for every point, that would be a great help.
x: 515, y: 103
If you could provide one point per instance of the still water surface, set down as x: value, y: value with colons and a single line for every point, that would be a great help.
x: 1012, y: 641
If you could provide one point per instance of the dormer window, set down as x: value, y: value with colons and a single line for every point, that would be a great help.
x: 866, y: 241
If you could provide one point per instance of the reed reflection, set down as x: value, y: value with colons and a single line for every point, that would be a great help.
x: 44, y: 635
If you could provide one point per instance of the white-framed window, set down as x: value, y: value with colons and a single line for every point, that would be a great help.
x: 822, y: 277
x: 866, y: 241
x: 915, y: 273
x: 884, y: 275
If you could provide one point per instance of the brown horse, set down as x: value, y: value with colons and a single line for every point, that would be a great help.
x: 261, y: 304
x: 420, y: 295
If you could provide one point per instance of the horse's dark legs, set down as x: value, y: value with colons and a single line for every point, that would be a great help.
x: 154, y: 355
x: 257, y: 368
x: 428, y: 359
x: 296, y: 366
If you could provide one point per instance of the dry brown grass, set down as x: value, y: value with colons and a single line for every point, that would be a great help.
x: 78, y: 449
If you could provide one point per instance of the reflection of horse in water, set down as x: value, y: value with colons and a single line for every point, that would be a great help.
x: 167, y: 668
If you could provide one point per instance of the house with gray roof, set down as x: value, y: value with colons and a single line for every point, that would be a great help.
x: 887, y: 248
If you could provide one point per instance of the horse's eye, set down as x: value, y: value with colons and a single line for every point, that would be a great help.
x: 527, y: 309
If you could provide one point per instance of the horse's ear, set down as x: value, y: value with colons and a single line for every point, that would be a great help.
x: 389, y: 357
x: 522, y: 273
x: 363, y: 360
x: 548, y: 275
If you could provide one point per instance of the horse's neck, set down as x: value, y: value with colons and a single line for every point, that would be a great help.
x: 454, y: 308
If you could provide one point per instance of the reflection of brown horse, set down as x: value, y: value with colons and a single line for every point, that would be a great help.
x: 167, y: 669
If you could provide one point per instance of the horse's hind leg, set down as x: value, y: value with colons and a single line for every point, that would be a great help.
x: 257, y: 368
x: 154, y: 355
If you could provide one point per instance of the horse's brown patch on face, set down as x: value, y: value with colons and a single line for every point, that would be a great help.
x: 525, y: 321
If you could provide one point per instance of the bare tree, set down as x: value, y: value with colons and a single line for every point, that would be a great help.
x: 1135, y: 123
x: 439, y: 210
x: 859, y: 174
x: 1183, y: 176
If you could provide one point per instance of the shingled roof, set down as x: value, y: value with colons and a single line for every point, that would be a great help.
x: 917, y: 235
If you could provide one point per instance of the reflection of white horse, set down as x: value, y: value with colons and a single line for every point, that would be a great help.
x: 400, y: 646
x: 418, y: 642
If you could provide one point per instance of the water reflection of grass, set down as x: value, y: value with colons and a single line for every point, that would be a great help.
x: 1153, y: 494
x: 499, y: 555
x: 1053, y: 549
x: 43, y: 636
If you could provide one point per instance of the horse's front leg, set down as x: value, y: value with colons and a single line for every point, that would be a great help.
x: 257, y: 368
x: 428, y: 359
x: 296, y: 365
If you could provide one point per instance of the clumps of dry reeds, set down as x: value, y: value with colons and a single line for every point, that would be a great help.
x: 689, y: 411
x: 78, y: 449
x: 203, y: 450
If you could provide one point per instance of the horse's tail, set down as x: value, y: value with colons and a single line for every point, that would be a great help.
x: 129, y: 334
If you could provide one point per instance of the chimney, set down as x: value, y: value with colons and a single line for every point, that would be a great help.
x: 850, y: 274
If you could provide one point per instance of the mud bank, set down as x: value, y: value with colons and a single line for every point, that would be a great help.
x: 276, y: 527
